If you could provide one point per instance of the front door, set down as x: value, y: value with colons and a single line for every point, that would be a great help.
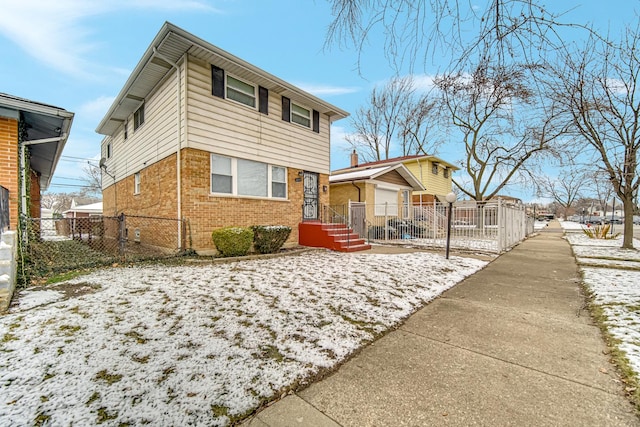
x: 311, y: 194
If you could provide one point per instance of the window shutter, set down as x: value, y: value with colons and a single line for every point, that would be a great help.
x: 316, y: 121
x: 286, y: 109
x: 263, y: 101
x: 217, y: 81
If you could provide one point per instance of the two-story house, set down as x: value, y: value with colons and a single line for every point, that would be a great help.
x: 199, y: 134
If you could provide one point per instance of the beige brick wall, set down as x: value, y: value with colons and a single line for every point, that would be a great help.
x: 9, y: 165
x: 204, y: 212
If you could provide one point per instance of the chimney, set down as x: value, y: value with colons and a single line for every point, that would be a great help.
x: 354, y: 159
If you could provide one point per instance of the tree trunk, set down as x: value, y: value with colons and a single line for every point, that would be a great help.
x: 627, y: 202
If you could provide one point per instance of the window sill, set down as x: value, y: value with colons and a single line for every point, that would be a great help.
x: 234, y: 196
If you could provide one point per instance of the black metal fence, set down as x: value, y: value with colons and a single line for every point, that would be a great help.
x: 55, y: 245
x: 4, y: 209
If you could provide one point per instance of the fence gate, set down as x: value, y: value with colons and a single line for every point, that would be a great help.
x: 358, y: 215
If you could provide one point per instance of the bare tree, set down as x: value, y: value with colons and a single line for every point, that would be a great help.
x: 502, y: 122
x: 57, y: 202
x: 415, y: 30
x: 565, y: 189
x: 599, y: 88
x: 394, y: 121
x: 93, y: 180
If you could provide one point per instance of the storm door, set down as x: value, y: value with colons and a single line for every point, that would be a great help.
x: 310, y: 206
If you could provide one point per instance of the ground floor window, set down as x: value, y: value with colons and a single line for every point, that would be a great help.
x: 241, y: 177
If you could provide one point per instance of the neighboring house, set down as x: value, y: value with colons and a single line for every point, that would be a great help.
x: 199, y: 134
x: 32, y: 136
x: 432, y: 172
x: 385, y: 189
x: 83, y: 211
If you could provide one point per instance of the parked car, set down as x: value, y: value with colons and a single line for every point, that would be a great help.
x: 591, y: 219
x: 636, y: 220
x: 615, y: 219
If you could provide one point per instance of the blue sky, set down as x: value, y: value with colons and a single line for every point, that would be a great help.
x: 77, y: 54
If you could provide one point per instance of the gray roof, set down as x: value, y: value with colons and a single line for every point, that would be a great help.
x: 170, y: 44
x: 47, y: 130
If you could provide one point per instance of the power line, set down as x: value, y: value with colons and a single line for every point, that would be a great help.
x: 78, y: 158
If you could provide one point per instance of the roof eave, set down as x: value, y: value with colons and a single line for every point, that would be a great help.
x: 168, y: 29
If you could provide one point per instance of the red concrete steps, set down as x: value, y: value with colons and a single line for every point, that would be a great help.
x: 337, y: 237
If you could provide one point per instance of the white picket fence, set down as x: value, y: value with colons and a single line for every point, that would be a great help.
x: 493, y: 227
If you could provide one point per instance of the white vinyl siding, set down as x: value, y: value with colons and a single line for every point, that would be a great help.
x: 152, y: 142
x: 247, y: 178
x: 218, y: 125
x: 386, y: 202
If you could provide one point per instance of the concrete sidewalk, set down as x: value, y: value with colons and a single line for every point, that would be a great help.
x: 510, y: 345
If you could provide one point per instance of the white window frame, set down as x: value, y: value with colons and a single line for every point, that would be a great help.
x: 234, y: 180
x: 136, y: 183
x: 253, y: 95
x: 293, y: 113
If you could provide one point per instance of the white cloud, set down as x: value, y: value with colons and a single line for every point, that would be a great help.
x: 325, y: 90
x: 53, y: 31
x: 96, y: 108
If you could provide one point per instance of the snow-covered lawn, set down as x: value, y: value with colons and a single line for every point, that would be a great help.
x: 201, y: 344
x: 613, y: 276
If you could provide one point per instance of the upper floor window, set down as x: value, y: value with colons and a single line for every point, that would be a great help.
x: 243, y: 177
x: 241, y: 92
x: 300, y: 115
x: 434, y: 168
x: 108, y: 150
x: 292, y: 112
x: 446, y: 173
x: 138, y: 117
x: 126, y: 129
x: 226, y: 86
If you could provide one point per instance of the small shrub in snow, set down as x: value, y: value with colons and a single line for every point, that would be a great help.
x: 232, y: 241
x: 268, y: 239
x: 600, y: 232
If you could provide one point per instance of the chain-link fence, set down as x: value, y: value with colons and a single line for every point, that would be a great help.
x: 54, y: 245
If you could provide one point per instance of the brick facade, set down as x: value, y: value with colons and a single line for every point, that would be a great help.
x: 204, y: 212
x: 9, y: 176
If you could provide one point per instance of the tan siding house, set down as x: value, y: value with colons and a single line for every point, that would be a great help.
x: 199, y: 134
x: 432, y: 172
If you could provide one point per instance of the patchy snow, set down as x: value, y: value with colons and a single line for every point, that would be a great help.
x: 30, y: 299
x: 612, y: 274
x: 203, y: 344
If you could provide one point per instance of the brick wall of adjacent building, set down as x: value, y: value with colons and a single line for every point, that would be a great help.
x: 204, y: 212
x: 9, y: 165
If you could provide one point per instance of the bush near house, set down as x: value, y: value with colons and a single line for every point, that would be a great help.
x: 232, y: 241
x: 268, y: 239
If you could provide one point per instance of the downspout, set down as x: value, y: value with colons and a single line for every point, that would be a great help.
x: 354, y: 184
x: 179, y: 144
